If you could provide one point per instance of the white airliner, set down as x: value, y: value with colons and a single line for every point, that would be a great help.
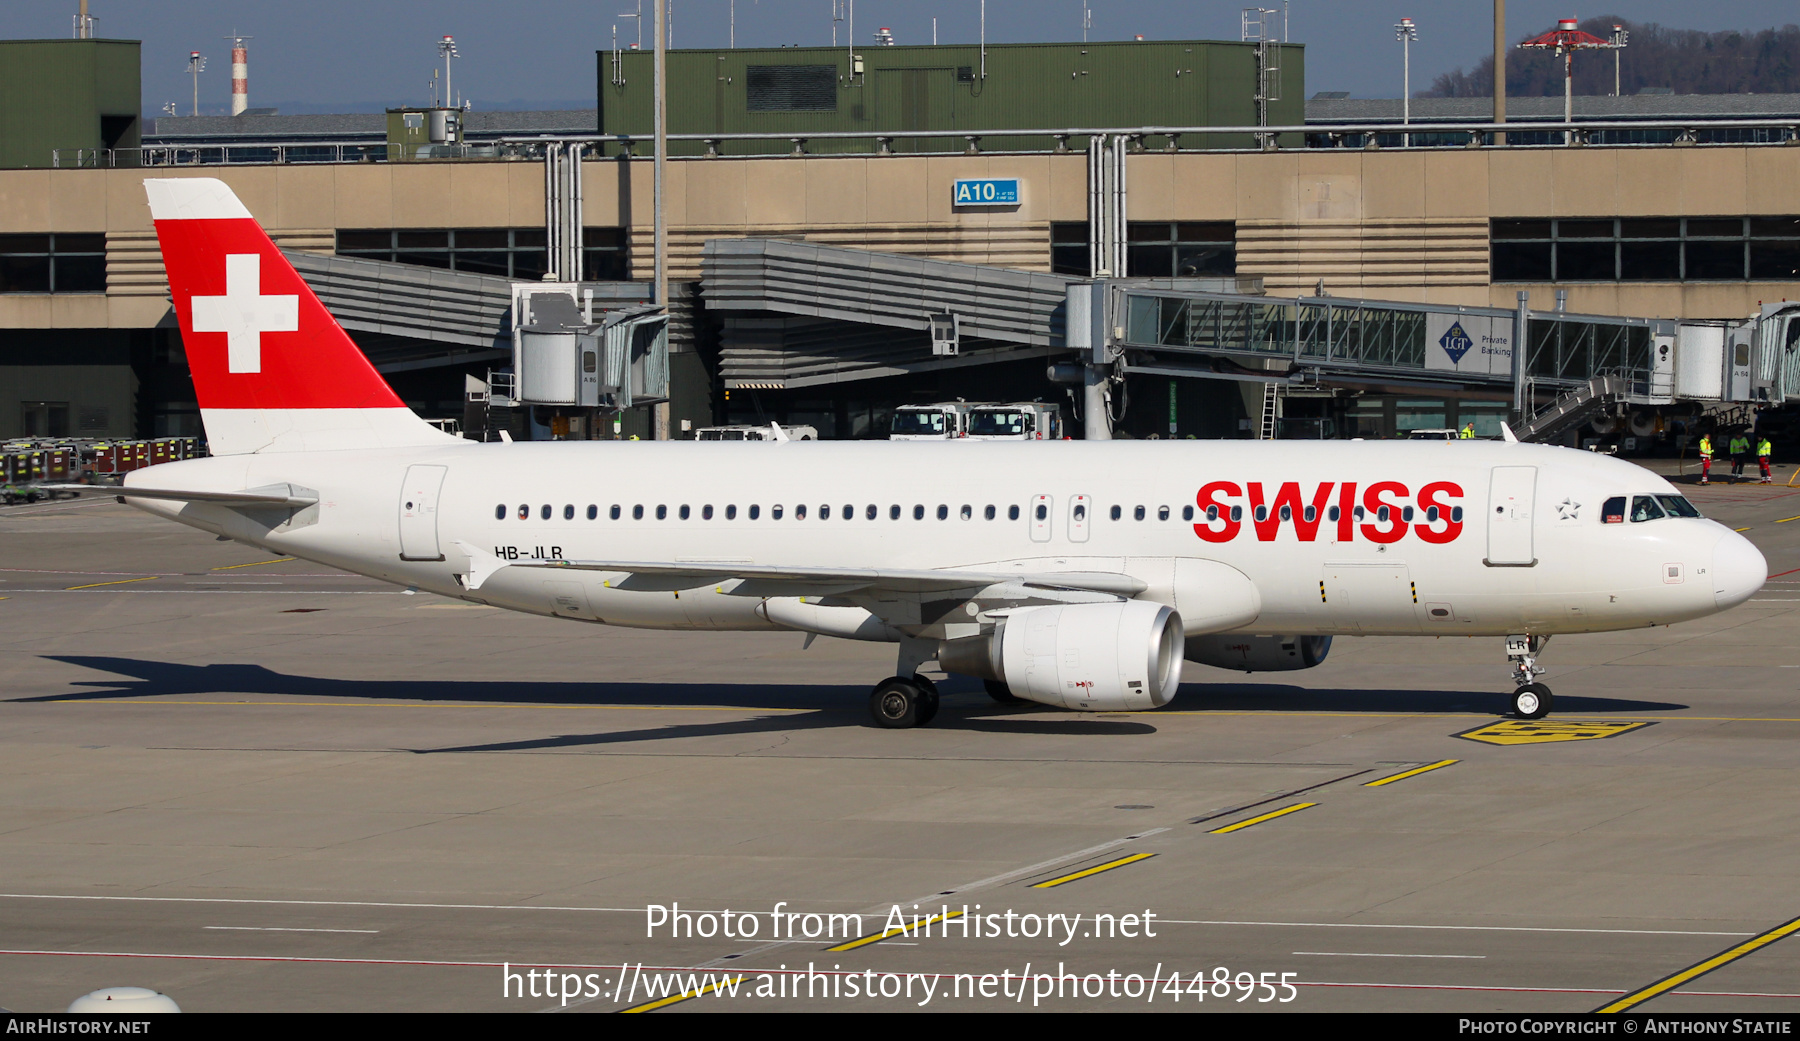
x: 1074, y: 574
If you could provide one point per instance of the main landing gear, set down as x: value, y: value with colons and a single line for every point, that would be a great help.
x: 1532, y: 700
x: 898, y: 702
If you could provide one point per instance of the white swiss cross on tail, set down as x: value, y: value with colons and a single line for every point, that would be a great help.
x: 243, y: 314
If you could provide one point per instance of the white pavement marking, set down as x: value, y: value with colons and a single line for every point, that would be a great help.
x: 1357, y: 954
x: 279, y: 929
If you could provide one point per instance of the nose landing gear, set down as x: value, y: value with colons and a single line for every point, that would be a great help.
x: 1532, y: 700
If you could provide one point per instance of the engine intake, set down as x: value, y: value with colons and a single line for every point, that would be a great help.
x: 1088, y: 657
x: 1258, y: 653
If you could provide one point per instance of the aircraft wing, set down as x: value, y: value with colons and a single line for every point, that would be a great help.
x: 274, y: 495
x: 796, y: 580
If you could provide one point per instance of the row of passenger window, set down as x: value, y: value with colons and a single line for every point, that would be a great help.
x: 754, y: 512
x: 967, y: 512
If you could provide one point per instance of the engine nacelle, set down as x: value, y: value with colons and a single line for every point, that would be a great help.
x: 1258, y: 653
x: 1088, y: 657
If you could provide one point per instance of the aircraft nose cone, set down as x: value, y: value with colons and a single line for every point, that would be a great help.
x: 1739, y: 570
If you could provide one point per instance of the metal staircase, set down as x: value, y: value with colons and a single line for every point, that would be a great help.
x: 1573, y: 407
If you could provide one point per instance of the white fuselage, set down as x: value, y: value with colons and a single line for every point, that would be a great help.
x: 1529, y: 552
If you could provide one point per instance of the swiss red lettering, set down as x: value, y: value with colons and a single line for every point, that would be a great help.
x: 1305, y: 518
x: 1347, y: 511
x: 1209, y: 499
x: 1373, y: 504
x: 1428, y: 500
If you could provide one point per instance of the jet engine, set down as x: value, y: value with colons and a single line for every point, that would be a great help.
x: 1258, y: 653
x: 1090, y: 657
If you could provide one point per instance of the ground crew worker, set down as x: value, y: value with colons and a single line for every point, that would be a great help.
x: 1705, y: 458
x: 1468, y: 432
x: 1763, y: 451
x: 1740, y: 447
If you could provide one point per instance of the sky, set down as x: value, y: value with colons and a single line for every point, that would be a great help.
x: 362, y: 55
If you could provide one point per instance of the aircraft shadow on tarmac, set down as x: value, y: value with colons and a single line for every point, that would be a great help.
x: 820, y: 706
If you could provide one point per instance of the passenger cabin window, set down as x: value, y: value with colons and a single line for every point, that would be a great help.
x: 662, y: 512
x: 731, y: 512
x: 775, y: 512
x: 593, y: 511
x: 500, y: 512
x: 613, y: 514
x: 1162, y: 513
x: 1614, y: 510
x: 872, y: 512
x: 988, y: 513
x: 637, y: 513
x: 1012, y: 513
x: 918, y: 513
x: 706, y: 512
x: 1117, y: 513
x: 1080, y: 512
x: 545, y: 512
x: 524, y: 511
x: 943, y: 512
x: 967, y: 511
x: 1187, y: 513
x: 1043, y: 511
x: 754, y: 510
x: 1138, y: 513
x: 568, y: 513
x: 800, y: 512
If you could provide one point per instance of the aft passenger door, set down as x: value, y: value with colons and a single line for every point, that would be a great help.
x: 1511, y: 495
x: 418, y: 512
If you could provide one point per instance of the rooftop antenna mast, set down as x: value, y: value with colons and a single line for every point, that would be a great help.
x: 84, y: 23
x: 837, y: 15
x: 639, y: 15
x: 1087, y: 20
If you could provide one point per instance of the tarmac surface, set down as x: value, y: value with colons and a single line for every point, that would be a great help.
x: 268, y: 785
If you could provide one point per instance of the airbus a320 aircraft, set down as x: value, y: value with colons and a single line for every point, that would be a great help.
x: 1073, y: 574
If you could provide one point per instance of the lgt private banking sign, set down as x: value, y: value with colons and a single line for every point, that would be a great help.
x: 985, y: 191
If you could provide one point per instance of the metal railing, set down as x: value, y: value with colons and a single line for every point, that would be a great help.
x: 1146, y: 139
x: 1168, y: 139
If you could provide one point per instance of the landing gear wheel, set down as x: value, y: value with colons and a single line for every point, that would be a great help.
x: 999, y: 691
x: 899, y: 704
x: 1532, y: 701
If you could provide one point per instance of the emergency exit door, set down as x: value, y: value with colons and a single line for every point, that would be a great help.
x: 419, y: 511
x: 1511, y: 495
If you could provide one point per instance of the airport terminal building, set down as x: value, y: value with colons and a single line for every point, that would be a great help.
x: 810, y: 192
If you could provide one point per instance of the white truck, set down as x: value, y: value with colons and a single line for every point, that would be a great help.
x: 943, y: 421
x: 1015, y: 421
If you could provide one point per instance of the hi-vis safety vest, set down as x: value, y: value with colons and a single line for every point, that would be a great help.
x: 1763, y: 447
x: 1706, y: 446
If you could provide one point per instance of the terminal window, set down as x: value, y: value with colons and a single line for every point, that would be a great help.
x: 1155, y: 249
x: 1646, y: 249
x: 508, y: 252
x: 52, y: 263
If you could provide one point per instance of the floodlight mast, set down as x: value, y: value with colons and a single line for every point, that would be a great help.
x: 1406, y: 32
x: 196, y: 65
x: 1565, y: 40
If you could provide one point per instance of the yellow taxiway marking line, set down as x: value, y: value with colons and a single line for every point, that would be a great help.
x: 1693, y: 972
x: 1108, y: 866
x: 1284, y: 811
x: 407, y: 704
x: 254, y: 563
x: 652, y: 1006
x: 886, y: 934
x: 120, y: 582
x: 1411, y: 773
x: 1784, y: 520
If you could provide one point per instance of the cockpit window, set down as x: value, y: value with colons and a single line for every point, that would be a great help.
x: 1677, y: 506
x: 1614, y: 510
x: 1644, y: 508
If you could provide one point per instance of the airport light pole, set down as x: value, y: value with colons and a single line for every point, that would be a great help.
x: 1406, y: 32
x: 196, y: 65
x: 447, y: 49
x: 1620, y: 36
x: 1499, y: 68
x: 659, y: 229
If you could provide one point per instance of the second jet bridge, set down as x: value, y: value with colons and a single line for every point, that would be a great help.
x: 567, y: 354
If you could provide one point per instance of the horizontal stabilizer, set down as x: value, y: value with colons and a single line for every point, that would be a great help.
x: 274, y: 495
